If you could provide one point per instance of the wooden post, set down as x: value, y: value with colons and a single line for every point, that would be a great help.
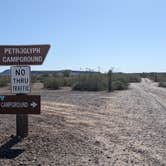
x: 155, y: 77
x: 110, y: 89
x: 22, y: 125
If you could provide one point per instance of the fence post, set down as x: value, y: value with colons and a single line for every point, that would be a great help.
x: 155, y: 77
x: 110, y: 89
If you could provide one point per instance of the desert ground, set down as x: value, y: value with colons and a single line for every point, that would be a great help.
x: 121, y: 128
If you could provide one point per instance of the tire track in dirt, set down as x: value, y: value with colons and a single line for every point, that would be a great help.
x: 134, y: 130
x: 155, y: 93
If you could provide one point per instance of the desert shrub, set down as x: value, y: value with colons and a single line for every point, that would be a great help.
x: 156, y: 77
x: 120, y: 77
x: 65, y: 81
x: 90, y: 82
x: 162, y: 84
x: 160, y: 78
x: 4, y: 81
x: 133, y: 78
x: 66, y: 73
x: 34, y: 79
x: 51, y: 83
x: 62, y: 81
x: 120, y: 85
x: 100, y: 82
x: 120, y: 81
x: 130, y: 78
x: 43, y: 78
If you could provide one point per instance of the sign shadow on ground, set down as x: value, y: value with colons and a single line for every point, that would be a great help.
x: 6, y: 151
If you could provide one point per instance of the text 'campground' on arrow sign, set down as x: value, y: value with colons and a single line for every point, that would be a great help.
x: 23, y: 55
x: 20, y: 104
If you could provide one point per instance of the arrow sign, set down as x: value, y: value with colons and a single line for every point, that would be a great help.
x: 33, y: 104
x: 23, y: 55
x: 20, y: 104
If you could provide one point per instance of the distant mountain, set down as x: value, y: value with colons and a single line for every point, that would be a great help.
x: 5, y: 73
x: 52, y: 72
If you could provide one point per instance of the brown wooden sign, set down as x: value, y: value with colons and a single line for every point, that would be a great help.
x: 19, y: 104
x: 23, y: 55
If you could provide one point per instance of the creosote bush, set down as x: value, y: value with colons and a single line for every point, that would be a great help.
x: 156, y: 77
x: 133, y: 78
x: 34, y: 79
x: 120, y: 85
x: 51, y: 83
x: 4, y: 81
x: 91, y: 82
x: 65, y: 81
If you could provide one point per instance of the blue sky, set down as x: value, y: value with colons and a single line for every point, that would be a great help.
x: 129, y: 35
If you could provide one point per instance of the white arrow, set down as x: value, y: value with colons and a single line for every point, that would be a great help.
x: 33, y: 104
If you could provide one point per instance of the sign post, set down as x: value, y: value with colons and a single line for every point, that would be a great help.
x: 21, y: 104
x: 22, y: 125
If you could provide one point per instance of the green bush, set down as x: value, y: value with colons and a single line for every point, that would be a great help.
x: 51, y: 84
x: 65, y: 81
x: 66, y: 73
x: 90, y: 82
x: 4, y: 81
x: 120, y: 85
x: 35, y: 79
x: 133, y: 78
x: 100, y: 82
x: 43, y: 78
x: 130, y: 78
x: 156, y: 77
x: 162, y: 84
x: 160, y: 78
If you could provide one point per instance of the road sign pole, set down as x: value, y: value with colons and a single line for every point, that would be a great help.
x: 22, y: 125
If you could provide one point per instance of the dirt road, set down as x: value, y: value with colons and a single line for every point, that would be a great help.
x: 83, y: 128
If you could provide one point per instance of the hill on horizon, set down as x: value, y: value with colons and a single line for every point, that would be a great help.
x: 50, y: 72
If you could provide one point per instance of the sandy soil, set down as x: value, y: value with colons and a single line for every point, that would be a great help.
x: 83, y: 128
